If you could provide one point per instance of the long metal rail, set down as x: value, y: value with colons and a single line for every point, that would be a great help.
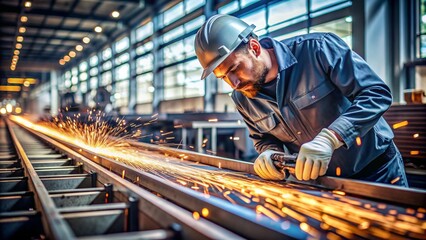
x: 383, y: 192
x: 231, y: 216
x: 72, y: 203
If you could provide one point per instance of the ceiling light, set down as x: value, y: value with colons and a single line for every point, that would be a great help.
x: 18, y: 110
x: 22, y: 29
x: 18, y: 46
x: 86, y: 40
x: 15, y: 57
x: 115, y: 14
x: 12, y: 68
x: 19, y: 38
x: 79, y: 48
x: 16, y: 52
x: 9, y: 107
x: 24, y: 19
x: 27, y: 4
x: 71, y: 54
x: 67, y: 58
x: 62, y: 62
x: 26, y: 84
x: 98, y: 29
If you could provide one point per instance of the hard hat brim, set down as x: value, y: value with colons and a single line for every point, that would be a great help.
x: 212, y: 67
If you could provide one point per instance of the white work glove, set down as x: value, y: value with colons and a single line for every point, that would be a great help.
x: 265, y: 168
x: 314, y: 156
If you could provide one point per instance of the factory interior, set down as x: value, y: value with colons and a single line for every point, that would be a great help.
x: 109, y: 131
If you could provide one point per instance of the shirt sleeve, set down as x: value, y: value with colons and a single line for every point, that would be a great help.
x: 369, y: 94
x: 261, y: 141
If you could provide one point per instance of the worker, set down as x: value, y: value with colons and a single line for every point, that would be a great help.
x: 309, y: 94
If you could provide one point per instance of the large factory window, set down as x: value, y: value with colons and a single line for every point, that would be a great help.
x: 106, y: 78
x: 147, y: 47
x: 93, y: 61
x: 179, y: 10
x: 93, y: 72
x: 144, y: 63
x: 123, y: 58
x: 421, y: 36
x: 181, y: 75
x: 122, y: 72
x: 341, y: 27
x: 122, y: 45
x: 106, y: 54
x: 83, y: 76
x: 183, y: 81
x: 183, y: 29
x: 67, y: 79
x: 320, y: 4
x: 144, y: 31
x: 180, y: 50
x: 295, y: 12
x: 121, y: 94
x: 144, y: 88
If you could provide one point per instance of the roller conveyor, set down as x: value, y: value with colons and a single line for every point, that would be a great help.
x: 56, y: 197
x: 227, y: 209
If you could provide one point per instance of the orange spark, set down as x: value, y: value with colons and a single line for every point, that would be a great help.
x: 400, y: 124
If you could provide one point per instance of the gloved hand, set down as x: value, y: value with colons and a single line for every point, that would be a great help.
x: 314, y: 156
x: 265, y: 168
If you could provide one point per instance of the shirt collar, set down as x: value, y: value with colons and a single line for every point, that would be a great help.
x: 283, y: 54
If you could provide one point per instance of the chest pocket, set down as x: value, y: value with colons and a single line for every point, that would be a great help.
x: 320, y: 106
x: 270, y: 124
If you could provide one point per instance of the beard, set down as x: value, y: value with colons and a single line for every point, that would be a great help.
x: 259, y: 75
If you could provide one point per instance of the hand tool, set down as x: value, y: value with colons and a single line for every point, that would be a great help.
x: 286, y: 162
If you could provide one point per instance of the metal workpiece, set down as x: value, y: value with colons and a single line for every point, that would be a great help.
x: 395, y: 194
x: 212, y: 197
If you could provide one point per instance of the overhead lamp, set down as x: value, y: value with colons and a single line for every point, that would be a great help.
x: 9, y: 107
x: 62, y: 62
x: 27, y: 4
x: 67, y: 58
x: 98, y: 29
x: 115, y: 14
x: 19, y: 38
x: 15, y: 57
x: 86, y: 40
x: 12, y: 68
x: 24, y: 19
x: 18, y: 110
x: 22, y: 29
x: 26, y: 84
x: 18, y: 46
x: 71, y: 54
x: 79, y: 48
x: 16, y: 52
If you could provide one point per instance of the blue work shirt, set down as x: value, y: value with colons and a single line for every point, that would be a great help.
x: 321, y: 83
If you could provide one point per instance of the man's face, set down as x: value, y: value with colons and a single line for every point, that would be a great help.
x: 243, y: 72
